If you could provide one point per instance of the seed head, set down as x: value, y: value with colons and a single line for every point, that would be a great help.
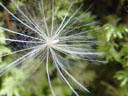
x: 50, y: 40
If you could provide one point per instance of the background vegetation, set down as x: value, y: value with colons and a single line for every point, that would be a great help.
x: 109, y: 78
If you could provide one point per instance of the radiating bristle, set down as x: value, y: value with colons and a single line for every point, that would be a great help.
x: 49, y: 40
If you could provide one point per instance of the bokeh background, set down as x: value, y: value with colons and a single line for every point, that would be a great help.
x: 104, y: 76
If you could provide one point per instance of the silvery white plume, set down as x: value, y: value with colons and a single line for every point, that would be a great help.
x: 45, y: 39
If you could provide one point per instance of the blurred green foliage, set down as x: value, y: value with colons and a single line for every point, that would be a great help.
x: 102, y: 79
